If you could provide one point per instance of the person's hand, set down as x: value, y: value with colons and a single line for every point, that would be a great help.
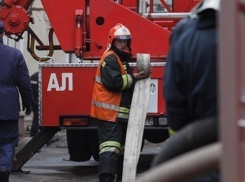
x: 28, y: 110
x: 140, y: 75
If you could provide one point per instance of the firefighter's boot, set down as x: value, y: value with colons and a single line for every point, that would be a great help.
x: 106, y: 177
x: 119, y: 168
x: 4, y: 175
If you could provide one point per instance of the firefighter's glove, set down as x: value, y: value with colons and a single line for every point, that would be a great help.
x: 28, y: 109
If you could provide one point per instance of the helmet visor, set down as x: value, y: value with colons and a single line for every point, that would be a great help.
x: 123, y: 37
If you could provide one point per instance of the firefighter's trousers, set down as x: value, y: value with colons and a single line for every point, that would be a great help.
x: 112, y: 140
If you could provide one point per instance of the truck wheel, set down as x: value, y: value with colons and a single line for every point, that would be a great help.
x: 94, y: 144
x: 156, y: 136
x: 78, y: 146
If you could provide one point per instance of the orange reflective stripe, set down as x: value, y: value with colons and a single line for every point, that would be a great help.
x: 105, y: 105
x: 103, y: 114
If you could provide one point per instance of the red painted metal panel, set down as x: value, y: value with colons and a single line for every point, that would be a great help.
x: 24, y: 3
x: 147, y: 36
x: 161, y: 100
x: 74, y: 102
x: 77, y: 101
x: 100, y: 16
x: 61, y: 14
x: 184, y: 5
x: 130, y: 3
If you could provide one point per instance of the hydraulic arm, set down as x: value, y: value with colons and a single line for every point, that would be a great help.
x: 82, y: 26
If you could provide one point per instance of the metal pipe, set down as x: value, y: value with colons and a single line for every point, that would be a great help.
x: 186, y: 166
x: 143, y: 8
x: 167, y: 15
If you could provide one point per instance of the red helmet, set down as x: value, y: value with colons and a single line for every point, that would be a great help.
x: 118, y: 32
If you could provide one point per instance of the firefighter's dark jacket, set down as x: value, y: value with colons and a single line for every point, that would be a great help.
x: 190, y: 83
x: 14, y: 79
x: 111, y: 76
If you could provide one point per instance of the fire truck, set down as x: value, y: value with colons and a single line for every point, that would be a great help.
x: 65, y: 89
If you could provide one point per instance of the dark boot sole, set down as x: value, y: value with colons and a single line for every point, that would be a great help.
x: 4, y: 176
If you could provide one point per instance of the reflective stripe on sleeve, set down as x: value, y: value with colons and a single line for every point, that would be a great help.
x: 125, y: 82
x: 130, y: 81
x: 105, y: 105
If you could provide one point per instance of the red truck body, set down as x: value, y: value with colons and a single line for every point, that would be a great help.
x: 73, y: 100
x: 66, y: 90
x: 82, y: 28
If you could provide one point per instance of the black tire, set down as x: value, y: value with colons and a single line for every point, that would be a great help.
x: 94, y: 144
x: 78, y: 146
x: 156, y: 136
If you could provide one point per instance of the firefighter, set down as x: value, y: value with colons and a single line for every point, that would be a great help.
x: 14, y: 79
x: 112, y: 95
x: 190, y: 80
x: 190, y: 85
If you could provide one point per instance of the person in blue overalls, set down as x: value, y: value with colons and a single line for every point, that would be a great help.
x: 14, y: 79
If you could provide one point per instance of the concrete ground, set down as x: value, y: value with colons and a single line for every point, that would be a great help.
x: 51, y: 164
